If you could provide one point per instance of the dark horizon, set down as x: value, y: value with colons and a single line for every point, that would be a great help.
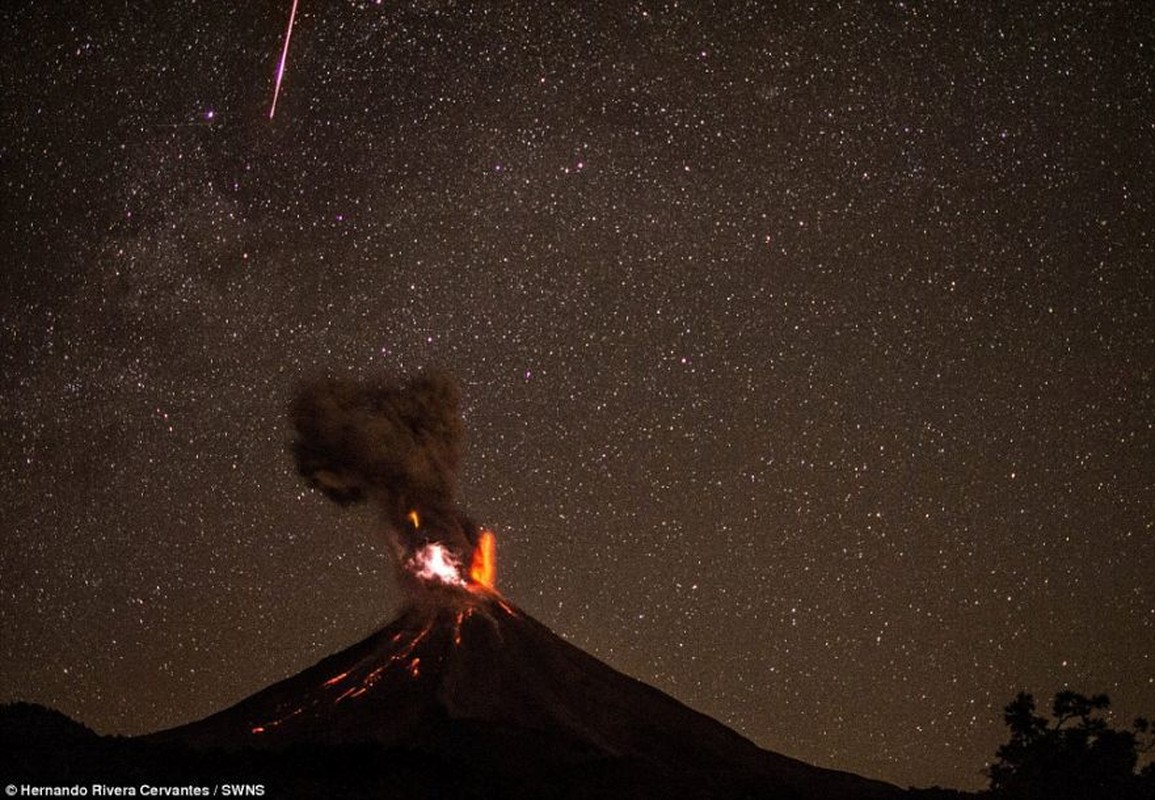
x: 804, y: 351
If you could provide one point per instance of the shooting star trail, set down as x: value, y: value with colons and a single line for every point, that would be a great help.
x: 284, y: 58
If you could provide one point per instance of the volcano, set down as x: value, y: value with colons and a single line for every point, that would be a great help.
x: 480, y: 683
x: 464, y: 694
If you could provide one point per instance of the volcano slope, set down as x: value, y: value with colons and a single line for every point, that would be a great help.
x: 509, y: 709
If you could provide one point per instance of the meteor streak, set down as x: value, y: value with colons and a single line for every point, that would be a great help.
x: 284, y: 58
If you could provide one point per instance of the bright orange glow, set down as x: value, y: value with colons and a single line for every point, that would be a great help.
x: 483, y: 568
x: 414, y: 518
x: 336, y: 679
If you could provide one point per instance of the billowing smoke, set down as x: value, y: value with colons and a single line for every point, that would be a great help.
x: 395, y: 445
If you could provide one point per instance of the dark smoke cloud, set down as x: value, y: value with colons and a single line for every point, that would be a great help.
x: 397, y: 445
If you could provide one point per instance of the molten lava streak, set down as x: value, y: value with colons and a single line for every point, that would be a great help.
x: 483, y: 568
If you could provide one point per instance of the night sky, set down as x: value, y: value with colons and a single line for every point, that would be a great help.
x: 806, y: 349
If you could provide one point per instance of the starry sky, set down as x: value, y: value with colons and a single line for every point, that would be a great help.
x: 806, y: 348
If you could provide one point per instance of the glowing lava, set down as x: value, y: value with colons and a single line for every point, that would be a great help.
x: 483, y: 569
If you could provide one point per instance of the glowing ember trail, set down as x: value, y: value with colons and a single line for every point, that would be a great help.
x: 264, y: 728
x: 461, y: 616
x: 336, y: 679
x: 413, y: 517
x: 284, y: 58
x: 483, y: 569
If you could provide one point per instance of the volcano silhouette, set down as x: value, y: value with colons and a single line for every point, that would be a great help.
x: 482, y: 683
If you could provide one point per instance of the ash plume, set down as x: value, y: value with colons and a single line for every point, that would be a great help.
x: 396, y: 445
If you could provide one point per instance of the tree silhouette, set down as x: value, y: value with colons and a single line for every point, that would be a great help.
x: 1076, y: 755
